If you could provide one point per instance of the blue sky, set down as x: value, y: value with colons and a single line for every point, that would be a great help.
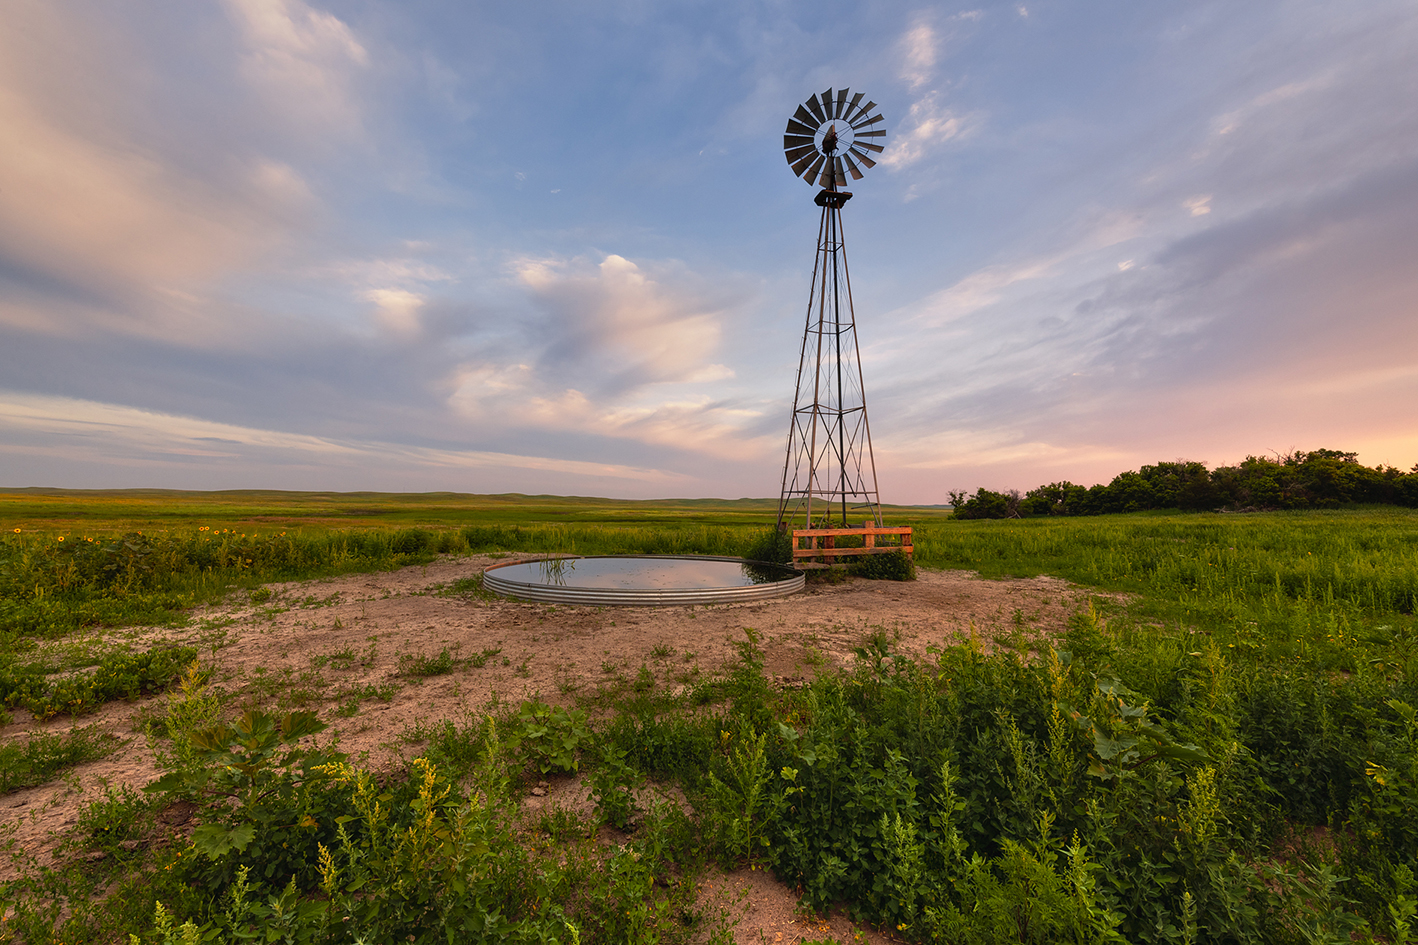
x: 554, y: 247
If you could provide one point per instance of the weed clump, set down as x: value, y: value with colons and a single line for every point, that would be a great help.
x: 40, y: 757
x: 118, y: 675
x: 890, y: 566
x: 772, y: 547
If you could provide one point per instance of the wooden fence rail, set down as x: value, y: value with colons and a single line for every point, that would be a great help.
x: 822, y: 542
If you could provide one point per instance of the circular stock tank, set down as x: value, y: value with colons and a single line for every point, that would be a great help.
x: 653, y: 580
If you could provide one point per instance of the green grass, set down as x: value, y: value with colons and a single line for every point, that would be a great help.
x: 261, y: 511
x: 75, y: 559
x: 1329, y: 589
x: 1364, y: 559
x: 39, y: 758
x: 117, y: 675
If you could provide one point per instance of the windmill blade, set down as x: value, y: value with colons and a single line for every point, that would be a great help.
x: 852, y: 168
x: 796, y: 141
x: 810, y: 174
x: 800, y: 167
x: 867, y: 122
x: 841, y: 102
x: 852, y: 107
x: 837, y: 171
x: 826, y: 99
x: 826, y: 179
x: 875, y: 133
x: 868, y: 145
x: 798, y: 128
x: 866, y: 110
x: 805, y: 116
x: 816, y: 109
x: 794, y: 154
x: 863, y: 158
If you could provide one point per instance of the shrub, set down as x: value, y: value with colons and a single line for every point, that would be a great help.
x: 986, y: 504
x: 773, y: 546
x: 891, y: 566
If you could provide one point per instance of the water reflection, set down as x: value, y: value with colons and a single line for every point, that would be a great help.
x: 554, y: 570
x: 644, y: 573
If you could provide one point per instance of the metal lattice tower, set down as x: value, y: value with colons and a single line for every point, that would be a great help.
x: 829, y: 474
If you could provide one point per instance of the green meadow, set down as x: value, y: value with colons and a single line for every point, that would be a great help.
x: 1223, y: 747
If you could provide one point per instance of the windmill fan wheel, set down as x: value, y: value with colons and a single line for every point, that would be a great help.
x: 831, y: 136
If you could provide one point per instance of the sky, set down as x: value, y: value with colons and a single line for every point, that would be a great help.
x: 554, y: 247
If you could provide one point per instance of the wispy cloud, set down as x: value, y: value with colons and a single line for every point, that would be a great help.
x: 929, y: 122
x: 918, y: 54
x: 629, y: 327
x: 303, y: 61
x: 927, y: 125
x: 397, y: 309
x: 102, y: 226
x: 90, y: 431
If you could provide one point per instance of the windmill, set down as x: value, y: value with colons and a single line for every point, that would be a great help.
x: 829, y: 475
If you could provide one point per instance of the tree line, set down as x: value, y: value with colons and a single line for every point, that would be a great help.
x: 1318, y: 479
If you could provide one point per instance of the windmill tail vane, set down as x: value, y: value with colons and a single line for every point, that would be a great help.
x: 829, y: 472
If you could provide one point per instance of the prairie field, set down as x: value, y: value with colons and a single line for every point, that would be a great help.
x: 298, y: 717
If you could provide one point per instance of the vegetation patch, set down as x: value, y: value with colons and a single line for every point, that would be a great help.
x: 1228, y: 755
x: 117, y: 676
x: 40, y: 757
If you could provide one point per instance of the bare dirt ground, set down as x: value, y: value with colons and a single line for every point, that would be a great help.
x: 350, y: 647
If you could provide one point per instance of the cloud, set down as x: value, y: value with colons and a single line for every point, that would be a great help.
x: 976, y: 291
x: 84, y: 431
x: 1199, y: 206
x: 918, y: 54
x: 927, y: 125
x: 620, y: 349
x: 1237, y: 118
x: 303, y: 62
x: 105, y: 225
x: 1158, y: 232
x: 928, y: 122
x: 1286, y: 327
x: 626, y: 326
x: 397, y: 309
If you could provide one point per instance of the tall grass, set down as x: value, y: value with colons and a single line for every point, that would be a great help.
x: 1366, y: 560
x: 1335, y: 572
x: 51, y: 584
x: 1288, y: 585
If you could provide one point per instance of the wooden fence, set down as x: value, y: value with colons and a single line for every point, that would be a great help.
x: 822, y: 542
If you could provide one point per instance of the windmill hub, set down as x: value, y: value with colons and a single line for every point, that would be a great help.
x: 836, y: 137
